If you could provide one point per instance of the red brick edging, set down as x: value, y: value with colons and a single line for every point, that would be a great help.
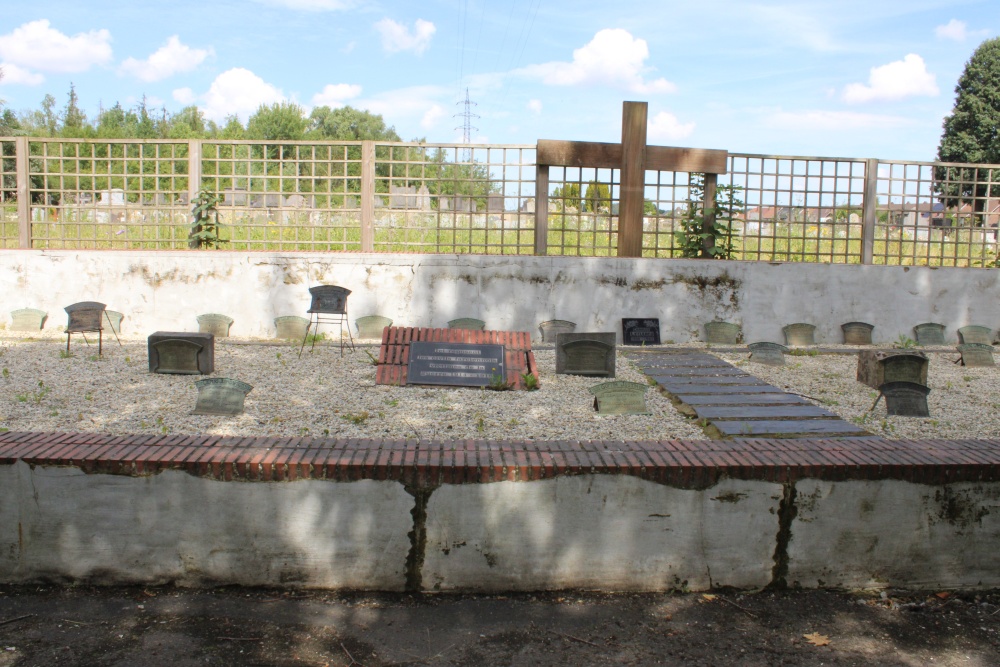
x: 682, y: 464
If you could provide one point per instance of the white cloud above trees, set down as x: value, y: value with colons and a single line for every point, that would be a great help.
x: 897, y: 80
x: 170, y: 59
x: 37, y: 46
x: 12, y: 74
x: 613, y: 58
x: 238, y: 91
x: 312, y: 5
x: 665, y: 126
x: 336, y: 95
x: 396, y: 37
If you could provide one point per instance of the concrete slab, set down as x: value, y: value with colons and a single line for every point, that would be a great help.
x: 828, y: 427
x: 775, y: 398
x: 795, y: 411
x: 684, y: 389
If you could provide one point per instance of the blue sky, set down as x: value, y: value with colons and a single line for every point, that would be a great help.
x: 870, y: 78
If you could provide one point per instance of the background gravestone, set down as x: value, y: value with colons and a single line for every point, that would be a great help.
x: 929, y: 333
x: 800, y: 333
x: 857, y: 333
x: 205, y: 354
x: 467, y: 323
x: 552, y: 328
x: 221, y: 396
x: 27, y: 319
x: 641, y: 331
x: 569, y: 359
x: 975, y: 333
x: 878, y: 367
x: 114, y: 320
x: 372, y: 326
x: 215, y: 324
x: 291, y: 327
x: 722, y: 333
x: 976, y: 354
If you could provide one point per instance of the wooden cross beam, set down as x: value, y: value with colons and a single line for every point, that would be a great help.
x: 633, y: 157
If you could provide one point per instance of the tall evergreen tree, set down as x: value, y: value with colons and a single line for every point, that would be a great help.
x: 972, y: 133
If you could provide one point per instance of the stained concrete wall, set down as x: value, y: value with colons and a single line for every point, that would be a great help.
x: 166, y: 290
x: 590, y: 531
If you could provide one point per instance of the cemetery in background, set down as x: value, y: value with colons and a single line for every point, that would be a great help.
x: 367, y: 196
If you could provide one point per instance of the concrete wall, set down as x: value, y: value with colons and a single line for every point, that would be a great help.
x: 167, y: 290
x: 601, y: 532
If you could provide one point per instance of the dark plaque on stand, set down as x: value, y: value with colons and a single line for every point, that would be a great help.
x: 905, y: 399
x: 641, y: 331
x: 456, y: 364
x: 220, y: 396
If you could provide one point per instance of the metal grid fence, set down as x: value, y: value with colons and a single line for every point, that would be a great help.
x: 459, y: 198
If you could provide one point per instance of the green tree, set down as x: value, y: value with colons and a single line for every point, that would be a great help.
x: 567, y: 196
x: 232, y: 129
x: 597, y: 198
x: 279, y: 121
x: 74, y: 121
x: 972, y: 133
x: 188, y: 123
x: 348, y: 124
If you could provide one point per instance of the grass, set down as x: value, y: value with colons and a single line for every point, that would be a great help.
x: 512, y: 233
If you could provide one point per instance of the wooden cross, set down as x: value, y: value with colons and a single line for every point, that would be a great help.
x: 633, y: 157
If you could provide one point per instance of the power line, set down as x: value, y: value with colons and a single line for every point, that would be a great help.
x: 467, y: 117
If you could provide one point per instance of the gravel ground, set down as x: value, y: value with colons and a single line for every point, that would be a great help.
x: 322, y: 394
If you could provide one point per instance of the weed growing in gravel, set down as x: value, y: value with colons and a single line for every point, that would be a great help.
x: 356, y: 419
x: 63, y: 354
x: 904, y: 342
x: 372, y: 358
x: 529, y: 380
x: 803, y: 353
x: 392, y: 402
x: 36, y: 396
x: 480, y: 423
x: 6, y: 373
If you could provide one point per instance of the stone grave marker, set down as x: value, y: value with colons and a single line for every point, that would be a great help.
x: 905, y: 399
x: 641, y: 331
x: 800, y: 333
x: 114, y: 319
x: 291, y: 327
x: 586, y: 354
x: 220, y: 396
x: 215, y: 324
x: 552, y: 328
x: 27, y: 319
x: 722, y: 333
x: 181, y: 352
x: 771, y: 354
x: 467, y: 323
x: 456, y: 364
x: 976, y: 354
x: 620, y: 398
x: 371, y: 326
x: 929, y: 333
x: 878, y: 367
x: 857, y: 333
x: 975, y: 333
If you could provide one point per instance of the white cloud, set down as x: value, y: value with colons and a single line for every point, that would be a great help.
x: 821, y: 120
x: 665, y: 127
x: 15, y: 74
x: 336, y: 95
x: 953, y: 29
x: 898, y: 79
x: 36, y: 45
x: 431, y: 117
x: 535, y: 106
x: 171, y: 58
x: 185, y: 96
x: 397, y: 37
x: 312, y: 5
x: 238, y: 91
x: 613, y: 57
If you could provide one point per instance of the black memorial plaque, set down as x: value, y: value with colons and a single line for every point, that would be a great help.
x: 905, y: 399
x: 176, y: 356
x: 976, y: 354
x: 641, y: 331
x: 330, y: 299
x: 221, y: 396
x: 179, y: 359
x: 456, y: 364
x: 771, y: 354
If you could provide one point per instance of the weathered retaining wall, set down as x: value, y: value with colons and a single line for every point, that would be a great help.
x: 167, y: 290
x: 409, y: 516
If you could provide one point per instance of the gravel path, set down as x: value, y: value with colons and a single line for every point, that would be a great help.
x: 322, y: 394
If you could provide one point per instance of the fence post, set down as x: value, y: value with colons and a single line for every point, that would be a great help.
x: 633, y: 179
x: 708, y: 215
x: 542, y: 209
x: 367, y: 196
x: 23, y: 192
x: 870, y: 214
x: 194, y: 169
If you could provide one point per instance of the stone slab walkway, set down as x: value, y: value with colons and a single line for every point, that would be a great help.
x: 734, y: 402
